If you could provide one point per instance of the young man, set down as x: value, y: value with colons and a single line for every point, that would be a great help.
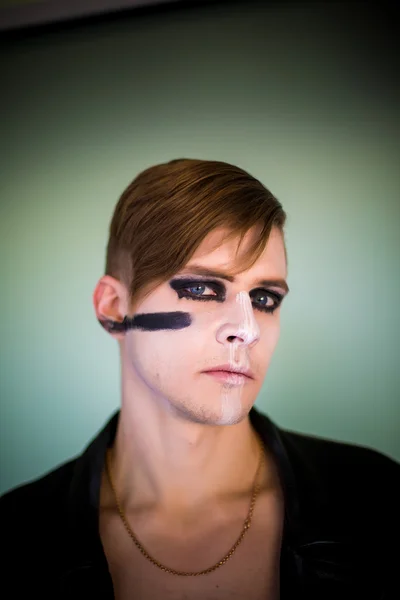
x: 189, y: 491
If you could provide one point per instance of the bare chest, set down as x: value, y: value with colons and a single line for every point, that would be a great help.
x: 253, y: 582
x: 251, y: 572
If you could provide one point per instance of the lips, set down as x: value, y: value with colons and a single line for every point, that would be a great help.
x: 229, y: 369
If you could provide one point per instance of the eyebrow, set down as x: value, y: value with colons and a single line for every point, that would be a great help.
x: 207, y: 272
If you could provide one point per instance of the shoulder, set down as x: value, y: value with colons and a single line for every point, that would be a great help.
x: 34, y: 527
x: 358, y: 484
x: 330, y: 461
x: 40, y: 494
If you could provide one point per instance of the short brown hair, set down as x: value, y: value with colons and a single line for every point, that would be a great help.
x: 166, y: 212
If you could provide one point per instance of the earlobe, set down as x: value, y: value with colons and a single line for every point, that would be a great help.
x: 109, y: 301
x: 114, y: 326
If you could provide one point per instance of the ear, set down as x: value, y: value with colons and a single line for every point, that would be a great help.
x: 110, y: 301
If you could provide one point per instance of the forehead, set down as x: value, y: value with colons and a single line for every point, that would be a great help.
x: 217, y: 252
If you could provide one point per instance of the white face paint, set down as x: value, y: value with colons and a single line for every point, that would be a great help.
x: 248, y: 331
x: 167, y: 368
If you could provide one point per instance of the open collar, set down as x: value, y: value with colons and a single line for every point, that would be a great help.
x: 314, y: 558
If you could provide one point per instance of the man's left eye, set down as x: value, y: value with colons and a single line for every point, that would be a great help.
x: 264, y: 298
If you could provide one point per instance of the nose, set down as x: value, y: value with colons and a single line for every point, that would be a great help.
x: 240, y: 325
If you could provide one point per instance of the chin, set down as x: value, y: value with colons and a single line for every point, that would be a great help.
x: 228, y: 412
x: 232, y: 415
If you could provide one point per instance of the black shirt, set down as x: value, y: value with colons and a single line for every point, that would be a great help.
x: 341, y: 526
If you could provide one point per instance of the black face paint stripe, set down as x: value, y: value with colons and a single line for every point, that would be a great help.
x: 149, y: 322
x: 157, y: 321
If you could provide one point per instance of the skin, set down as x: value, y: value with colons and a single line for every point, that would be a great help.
x: 177, y: 422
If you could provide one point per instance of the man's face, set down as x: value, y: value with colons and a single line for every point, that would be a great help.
x: 219, y: 322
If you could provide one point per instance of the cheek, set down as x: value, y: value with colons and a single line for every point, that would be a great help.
x: 161, y: 350
x: 269, y: 336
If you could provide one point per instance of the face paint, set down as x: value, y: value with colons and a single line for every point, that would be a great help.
x: 149, y: 322
x: 170, y: 367
x: 248, y: 330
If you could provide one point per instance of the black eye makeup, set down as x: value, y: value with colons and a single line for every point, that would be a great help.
x: 264, y: 300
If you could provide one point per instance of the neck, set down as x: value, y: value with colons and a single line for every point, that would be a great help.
x: 162, y: 461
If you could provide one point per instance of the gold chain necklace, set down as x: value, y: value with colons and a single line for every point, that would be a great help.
x: 247, y: 523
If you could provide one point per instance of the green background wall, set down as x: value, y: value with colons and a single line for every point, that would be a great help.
x: 300, y: 95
